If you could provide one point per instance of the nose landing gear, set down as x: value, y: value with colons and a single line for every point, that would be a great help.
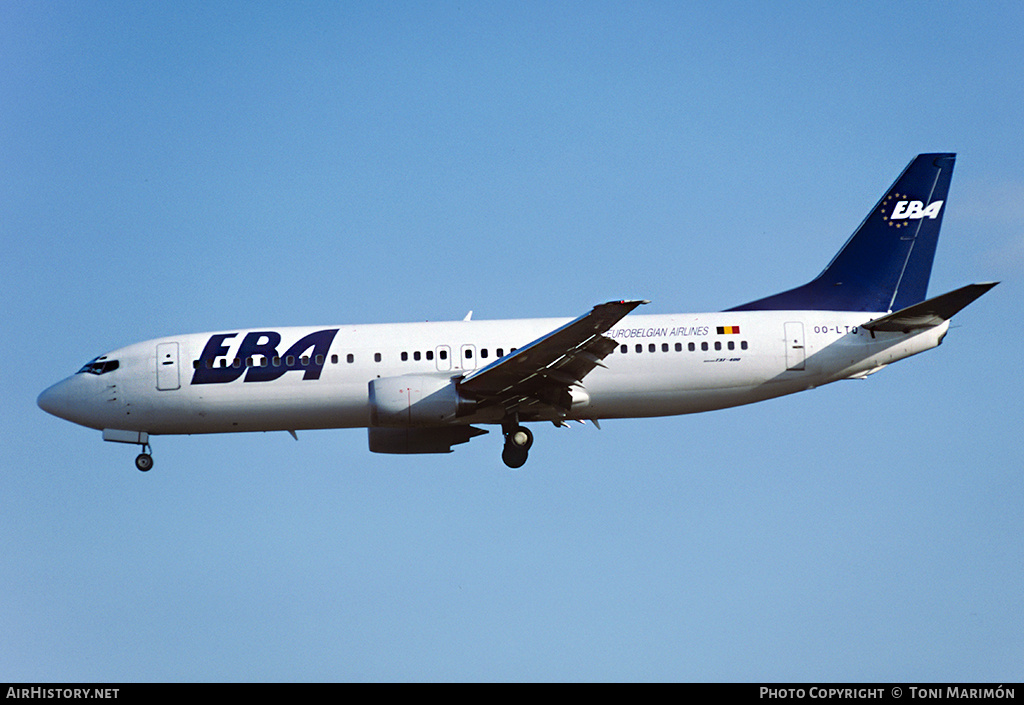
x: 144, y: 461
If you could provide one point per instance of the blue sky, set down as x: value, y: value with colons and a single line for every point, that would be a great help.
x: 211, y: 166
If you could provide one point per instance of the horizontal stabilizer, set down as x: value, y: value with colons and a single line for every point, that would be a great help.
x: 930, y: 313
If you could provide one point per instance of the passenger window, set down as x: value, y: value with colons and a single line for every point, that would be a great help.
x: 652, y: 348
x: 405, y: 357
x: 430, y: 354
x: 639, y: 348
x: 376, y: 357
x: 743, y: 345
x: 499, y: 353
x: 483, y: 353
x: 443, y: 354
x: 334, y: 359
x: 290, y: 361
x: 704, y: 346
x: 718, y: 345
x: 691, y: 347
x: 350, y: 358
x: 416, y: 356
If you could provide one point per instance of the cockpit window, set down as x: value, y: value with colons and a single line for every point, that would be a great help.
x: 100, y: 366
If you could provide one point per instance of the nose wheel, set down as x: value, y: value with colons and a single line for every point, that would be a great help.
x: 518, y: 440
x: 144, y: 461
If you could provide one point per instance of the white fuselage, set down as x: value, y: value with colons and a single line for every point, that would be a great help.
x: 664, y: 365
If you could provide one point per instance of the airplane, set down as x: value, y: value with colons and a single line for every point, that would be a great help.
x: 427, y: 387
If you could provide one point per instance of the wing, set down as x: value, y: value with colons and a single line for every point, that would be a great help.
x: 538, y: 376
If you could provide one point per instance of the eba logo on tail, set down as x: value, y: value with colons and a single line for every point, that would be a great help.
x: 906, y: 210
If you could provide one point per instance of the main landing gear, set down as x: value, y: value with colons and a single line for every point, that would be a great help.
x: 518, y: 440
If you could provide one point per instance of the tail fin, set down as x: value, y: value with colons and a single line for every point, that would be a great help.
x: 886, y: 263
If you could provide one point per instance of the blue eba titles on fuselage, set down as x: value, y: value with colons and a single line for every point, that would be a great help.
x: 308, y: 355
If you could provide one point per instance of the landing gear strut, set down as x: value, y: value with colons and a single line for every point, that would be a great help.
x: 518, y: 440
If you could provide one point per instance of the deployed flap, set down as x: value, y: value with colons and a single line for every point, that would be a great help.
x: 542, y: 372
x: 931, y: 312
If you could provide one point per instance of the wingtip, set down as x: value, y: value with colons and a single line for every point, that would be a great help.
x: 626, y: 302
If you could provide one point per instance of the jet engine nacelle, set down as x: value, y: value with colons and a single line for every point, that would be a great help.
x: 420, y: 440
x: 416, y: 401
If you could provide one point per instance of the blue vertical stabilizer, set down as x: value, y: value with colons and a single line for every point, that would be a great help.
x: 886, y: 263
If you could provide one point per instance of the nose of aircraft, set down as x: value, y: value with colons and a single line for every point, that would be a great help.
x: 54, y: 400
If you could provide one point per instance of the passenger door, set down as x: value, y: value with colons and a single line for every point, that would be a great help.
x: 167, y: 377
x: 795, y: 352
